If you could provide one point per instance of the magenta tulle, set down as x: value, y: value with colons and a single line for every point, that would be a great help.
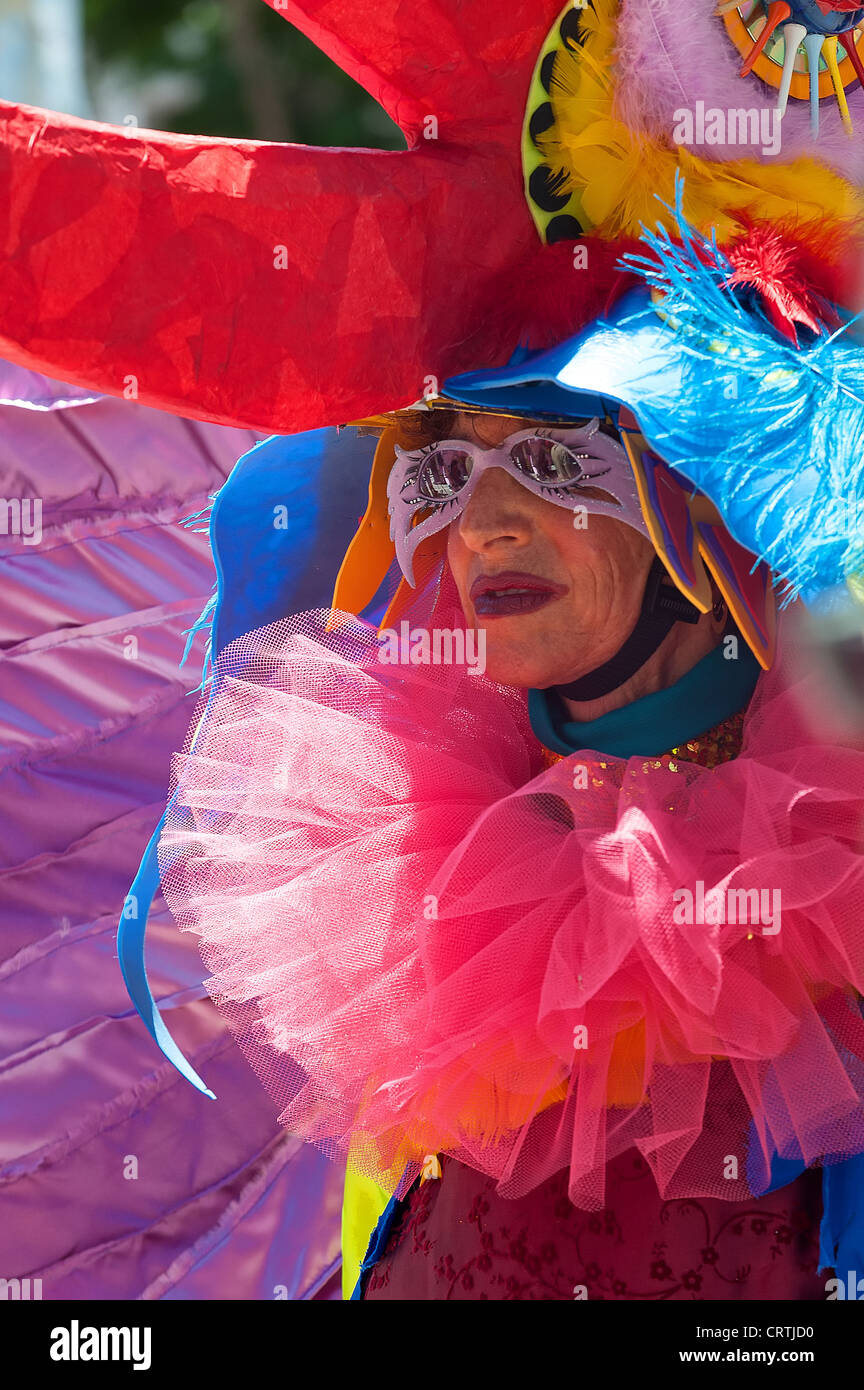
x: 427, y: 941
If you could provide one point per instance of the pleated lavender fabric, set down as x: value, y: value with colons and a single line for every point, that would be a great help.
x: 117, y: 1181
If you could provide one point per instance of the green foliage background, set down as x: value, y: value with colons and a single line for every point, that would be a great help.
x: 259, y: 77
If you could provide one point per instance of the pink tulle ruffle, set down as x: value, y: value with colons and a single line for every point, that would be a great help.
x: 427, y: 942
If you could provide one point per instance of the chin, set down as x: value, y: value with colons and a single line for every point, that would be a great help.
x: 528, y: 660
x: 526, y: 668
x: 515, y: 668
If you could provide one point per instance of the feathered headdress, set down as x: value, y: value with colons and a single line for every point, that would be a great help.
x: 287, y: 287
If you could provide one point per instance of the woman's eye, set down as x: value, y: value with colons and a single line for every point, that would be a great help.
x: 443, y: 473
x: 547, y: 460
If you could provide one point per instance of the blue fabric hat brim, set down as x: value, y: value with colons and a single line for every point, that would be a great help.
x: 581, y: 377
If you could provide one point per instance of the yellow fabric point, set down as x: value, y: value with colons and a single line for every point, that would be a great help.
x: 363, y: 1202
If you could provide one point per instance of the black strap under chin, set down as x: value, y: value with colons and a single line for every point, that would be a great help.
x: 662, y: 607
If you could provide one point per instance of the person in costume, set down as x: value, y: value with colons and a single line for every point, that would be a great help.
x: 535, y: 965
x: 461, y: 940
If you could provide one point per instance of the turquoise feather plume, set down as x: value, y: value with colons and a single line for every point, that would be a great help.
x: 771, y: 432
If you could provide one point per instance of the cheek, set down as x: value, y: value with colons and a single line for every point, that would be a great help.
x: 458, y: 556
x: 605, y: 559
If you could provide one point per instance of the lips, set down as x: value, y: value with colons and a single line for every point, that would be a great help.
x: 511, y: 592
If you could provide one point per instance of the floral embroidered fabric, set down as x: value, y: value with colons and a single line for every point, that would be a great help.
x: 457, y: 1239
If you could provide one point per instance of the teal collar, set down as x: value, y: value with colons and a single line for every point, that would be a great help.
x: 713, y: 690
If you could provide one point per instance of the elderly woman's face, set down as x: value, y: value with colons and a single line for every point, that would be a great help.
x: 586, y: 584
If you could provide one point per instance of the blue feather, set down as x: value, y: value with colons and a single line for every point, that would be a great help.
x: 772, y: 433
x: 204, y: 622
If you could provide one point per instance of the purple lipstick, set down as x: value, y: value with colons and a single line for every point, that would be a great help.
x: 511, y: 592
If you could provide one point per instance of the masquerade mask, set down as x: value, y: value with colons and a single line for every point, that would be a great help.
x: 435, y: 484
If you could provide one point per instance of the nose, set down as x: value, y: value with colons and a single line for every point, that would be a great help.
x: 498, y: 511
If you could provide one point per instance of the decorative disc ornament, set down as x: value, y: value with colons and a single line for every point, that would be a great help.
x: 809, y: 50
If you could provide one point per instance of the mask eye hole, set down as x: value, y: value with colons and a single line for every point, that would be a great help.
x: 443, y: 473
x: 547, y: 461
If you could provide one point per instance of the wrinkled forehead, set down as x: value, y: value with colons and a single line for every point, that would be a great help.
x: 488, y: 430
x: 421, y: 425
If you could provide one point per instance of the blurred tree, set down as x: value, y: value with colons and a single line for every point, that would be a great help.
x: 239, y: 68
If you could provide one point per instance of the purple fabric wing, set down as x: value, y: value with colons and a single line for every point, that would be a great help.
x: 119, y: 1181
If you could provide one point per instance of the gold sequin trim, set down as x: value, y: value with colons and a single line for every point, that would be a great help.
x: 715, y: 746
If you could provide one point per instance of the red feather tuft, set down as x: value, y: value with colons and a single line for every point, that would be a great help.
x: 799, y: 280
